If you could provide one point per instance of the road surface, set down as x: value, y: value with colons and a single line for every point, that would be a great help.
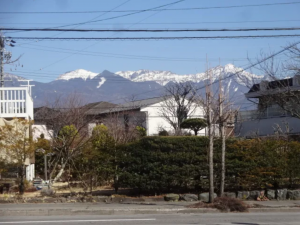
x: 201, y: 219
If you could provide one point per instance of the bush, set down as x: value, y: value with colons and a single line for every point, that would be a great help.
x: 163, y: 133
x: 226, y: 204
x: 179, y: 164
x: 164, y: 164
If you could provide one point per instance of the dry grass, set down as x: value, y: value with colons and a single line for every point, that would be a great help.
x: 224, y: 204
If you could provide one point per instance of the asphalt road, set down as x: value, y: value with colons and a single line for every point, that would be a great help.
x: 201, y: 219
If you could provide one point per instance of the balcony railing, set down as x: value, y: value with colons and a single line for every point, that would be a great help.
x: 256, y: 114
x: 15, y: 102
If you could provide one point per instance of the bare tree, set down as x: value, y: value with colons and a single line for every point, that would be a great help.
x: 67, y: 128
x: 225, y: 115
x: 178, y: 104
x: 209, y: 106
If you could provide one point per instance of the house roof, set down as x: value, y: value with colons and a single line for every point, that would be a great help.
x: 98, y: 107
x: 43, y: 113
x: 273, y: 85
x: 135, y: 104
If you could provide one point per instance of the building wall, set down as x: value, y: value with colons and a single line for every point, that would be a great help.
x: 155, y: 122
x: 37, y: 130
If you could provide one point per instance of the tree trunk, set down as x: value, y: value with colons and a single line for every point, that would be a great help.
x: 196, y: 132
x: 223, y: 139
x: 211, y: 164
x: 91, y: 183
x: 211, y: 150
x: 21, y: 185
x: 60, y: 173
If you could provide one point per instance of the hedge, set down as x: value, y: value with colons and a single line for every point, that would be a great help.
x: 177, y: 164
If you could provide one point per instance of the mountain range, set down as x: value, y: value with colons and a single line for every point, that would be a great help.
x: 128, y: 85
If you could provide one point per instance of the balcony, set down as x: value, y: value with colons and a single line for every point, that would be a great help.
x: 273, y: 121
x: 16, y: 102
x: 257, y: 115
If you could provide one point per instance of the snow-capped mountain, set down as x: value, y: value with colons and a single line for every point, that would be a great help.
x: 80, y: 73
x: 141, y: 84
x: 164, y: 77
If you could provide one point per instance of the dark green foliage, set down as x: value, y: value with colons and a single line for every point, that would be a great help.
x: 141, y: 131
x: 179, y: 164
x: 194, y: 124
x: 159, y: 164
x: 163, y: 133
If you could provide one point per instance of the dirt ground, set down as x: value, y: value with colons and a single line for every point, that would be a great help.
x: 60, y: 188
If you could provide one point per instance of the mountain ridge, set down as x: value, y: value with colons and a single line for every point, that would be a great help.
x: 141, y: 84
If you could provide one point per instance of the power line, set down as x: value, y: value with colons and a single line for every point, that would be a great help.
x: 155, y: 38
x: 180, y: 23
x: 124, y: 15
x: 154, y: 9
x: 125, y: 56
x: 57, y: 61
x: 154, y: 30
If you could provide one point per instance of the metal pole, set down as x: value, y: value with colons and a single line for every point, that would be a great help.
x: 1, y: 61
x: 45, y: 164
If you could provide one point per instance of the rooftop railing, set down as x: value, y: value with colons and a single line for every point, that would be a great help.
x: 256, y: 114
x: 16, y: 102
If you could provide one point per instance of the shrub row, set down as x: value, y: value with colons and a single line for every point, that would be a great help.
x: 176, y: 164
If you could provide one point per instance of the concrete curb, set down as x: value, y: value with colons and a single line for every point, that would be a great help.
x: 285, y: 209
x: 71, y: 212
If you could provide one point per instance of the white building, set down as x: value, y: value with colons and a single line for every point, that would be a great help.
x: 147, y: 113
x: 270, y: 118
x: 16, y: 102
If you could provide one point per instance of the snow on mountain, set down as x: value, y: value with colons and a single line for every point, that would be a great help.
x: 80, y: 73
x: 164, y: 77
x: 101, y: 82
x: 8, y: 77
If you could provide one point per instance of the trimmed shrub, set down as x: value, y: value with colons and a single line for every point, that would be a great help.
x: 179, y: 164
x: 165, y: 164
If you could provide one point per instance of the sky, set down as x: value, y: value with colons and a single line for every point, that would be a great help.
x: 45, y: 60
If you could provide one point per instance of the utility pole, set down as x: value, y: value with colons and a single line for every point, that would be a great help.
x: 1, y: 61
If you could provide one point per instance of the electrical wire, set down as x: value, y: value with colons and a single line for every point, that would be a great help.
x: 155, y: 38
x: 60, y: 60
x: 154, y: 9
x: 178, y: 23
x: 124, y: 56
x: 124, y: 15
x: 154, y: 30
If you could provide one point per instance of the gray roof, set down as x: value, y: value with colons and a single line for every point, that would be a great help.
x: 98, y: 107
x: 134, y: 105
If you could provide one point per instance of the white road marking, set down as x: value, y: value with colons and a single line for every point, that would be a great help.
x: 73, y: 221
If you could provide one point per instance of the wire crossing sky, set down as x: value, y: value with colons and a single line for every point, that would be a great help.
x: 44, y: 59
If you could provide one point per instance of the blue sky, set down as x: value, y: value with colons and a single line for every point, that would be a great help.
x: 45, y: 60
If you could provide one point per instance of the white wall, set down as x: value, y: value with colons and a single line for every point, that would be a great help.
x: 30, y: 174
x: 155, y: 121
x: 37, y: 130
